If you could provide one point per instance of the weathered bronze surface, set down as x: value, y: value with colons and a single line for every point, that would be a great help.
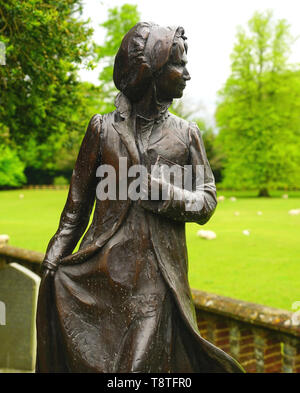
x: 122, y: 303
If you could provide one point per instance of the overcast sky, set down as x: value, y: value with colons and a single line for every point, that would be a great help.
x: 210, y: 27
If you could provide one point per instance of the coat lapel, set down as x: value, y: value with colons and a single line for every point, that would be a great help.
x: 125, y: 129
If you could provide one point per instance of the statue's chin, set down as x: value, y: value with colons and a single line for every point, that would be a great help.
x: 179, y: 94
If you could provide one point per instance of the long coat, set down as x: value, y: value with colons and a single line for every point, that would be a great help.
x: 122, y: 303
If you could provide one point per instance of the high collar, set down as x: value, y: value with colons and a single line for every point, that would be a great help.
x: 125, y: 109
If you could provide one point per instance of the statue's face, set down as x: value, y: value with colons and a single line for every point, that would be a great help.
x: 172, y: 80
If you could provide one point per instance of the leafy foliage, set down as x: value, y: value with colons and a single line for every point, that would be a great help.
x: 60, y: 181
x: 258, y: 112
x: 11, y: 168
x: 40, y: 94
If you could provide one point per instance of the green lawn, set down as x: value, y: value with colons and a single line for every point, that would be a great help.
x: 263, y: 267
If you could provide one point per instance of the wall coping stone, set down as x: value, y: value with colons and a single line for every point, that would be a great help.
x: 17, y: 254
x: 250, y: 313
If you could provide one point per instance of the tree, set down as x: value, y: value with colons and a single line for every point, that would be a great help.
x: 40, y: 94
x: 258, y: 112
x: 119, y: 22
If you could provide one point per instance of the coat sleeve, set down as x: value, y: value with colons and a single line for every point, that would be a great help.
x: 199, y: 203
x: 75, y: 216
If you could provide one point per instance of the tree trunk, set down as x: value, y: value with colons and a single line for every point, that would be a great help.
x: 264, y: 192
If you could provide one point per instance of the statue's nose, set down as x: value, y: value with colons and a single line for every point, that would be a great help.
x: 186, y: 75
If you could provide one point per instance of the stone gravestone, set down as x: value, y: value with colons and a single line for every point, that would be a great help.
x: 18, y: 297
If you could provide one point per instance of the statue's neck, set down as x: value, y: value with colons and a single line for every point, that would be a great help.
x: 149, y: 107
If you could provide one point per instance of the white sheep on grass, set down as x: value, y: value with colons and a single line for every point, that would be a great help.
x: 208, y: 235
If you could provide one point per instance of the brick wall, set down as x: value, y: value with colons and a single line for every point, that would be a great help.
x: 262, y: 339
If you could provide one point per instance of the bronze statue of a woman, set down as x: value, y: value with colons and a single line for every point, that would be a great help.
x: 122, y: 303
